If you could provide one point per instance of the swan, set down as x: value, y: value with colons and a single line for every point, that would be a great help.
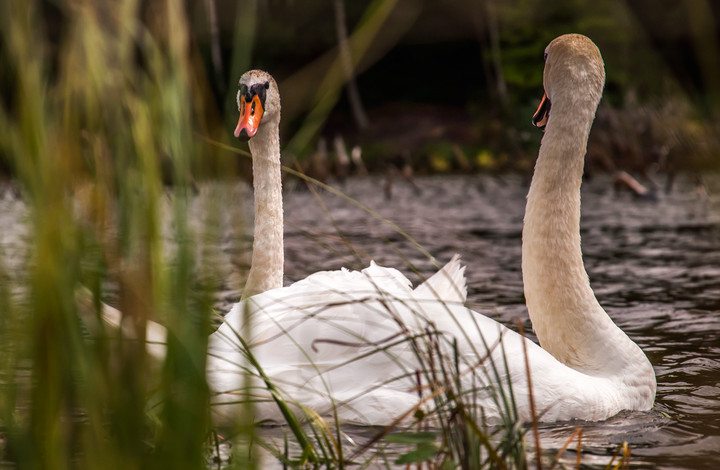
x: 274, y: 307
x: 258, y: 102
x: 364, y: 347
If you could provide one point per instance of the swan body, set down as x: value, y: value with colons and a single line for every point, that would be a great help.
x: 364, y: 347
x: 333, y: 343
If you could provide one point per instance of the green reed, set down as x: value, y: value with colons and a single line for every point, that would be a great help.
x: 89, y: 139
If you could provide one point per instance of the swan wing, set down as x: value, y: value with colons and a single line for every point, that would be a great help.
x: 364, y: 347
x: 448, y: 284
x: 334, y: 339
x: 371, y: 356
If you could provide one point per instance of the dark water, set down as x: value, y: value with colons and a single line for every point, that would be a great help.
x: 654, y: 266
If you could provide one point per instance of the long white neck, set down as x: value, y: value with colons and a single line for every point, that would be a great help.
x: 266, y: 269
x: 567, y: 318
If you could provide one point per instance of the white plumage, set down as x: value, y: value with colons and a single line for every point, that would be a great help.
x: 368, y: 349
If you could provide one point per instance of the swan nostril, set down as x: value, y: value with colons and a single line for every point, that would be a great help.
x: 243, y: 135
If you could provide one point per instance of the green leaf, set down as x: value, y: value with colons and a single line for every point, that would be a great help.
x: 449, y: 465
x: 422, y: 453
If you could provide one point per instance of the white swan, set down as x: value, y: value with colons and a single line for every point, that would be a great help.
x: 336, y: 343
x: 259, y: 106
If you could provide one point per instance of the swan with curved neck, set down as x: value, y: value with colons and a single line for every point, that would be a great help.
x: 567, y: 318
x: 331, y: 342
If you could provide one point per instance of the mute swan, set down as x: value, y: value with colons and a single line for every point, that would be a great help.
x: 336, y: 343
x: 259, y: 106
x: 258, y: 101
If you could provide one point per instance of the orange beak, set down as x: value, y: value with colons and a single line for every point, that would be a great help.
x: 250, y: 116
x: 540, y: 118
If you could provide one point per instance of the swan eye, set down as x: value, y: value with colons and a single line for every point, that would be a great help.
x: 545, y: 57
x: 267, y: 85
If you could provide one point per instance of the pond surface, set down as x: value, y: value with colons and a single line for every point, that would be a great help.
x: 654, y: 266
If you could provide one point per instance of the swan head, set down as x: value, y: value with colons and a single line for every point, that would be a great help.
x: 574, y: 71
x: 258, y: 101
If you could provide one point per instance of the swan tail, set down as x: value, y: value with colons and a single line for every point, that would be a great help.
x: 448, y: 284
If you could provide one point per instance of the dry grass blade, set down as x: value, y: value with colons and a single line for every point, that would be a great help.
x: 576, y: 434
x: 533, y: 411
x: 623, y: 451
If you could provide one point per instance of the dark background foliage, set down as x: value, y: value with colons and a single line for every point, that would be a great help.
x: 437, y: 77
